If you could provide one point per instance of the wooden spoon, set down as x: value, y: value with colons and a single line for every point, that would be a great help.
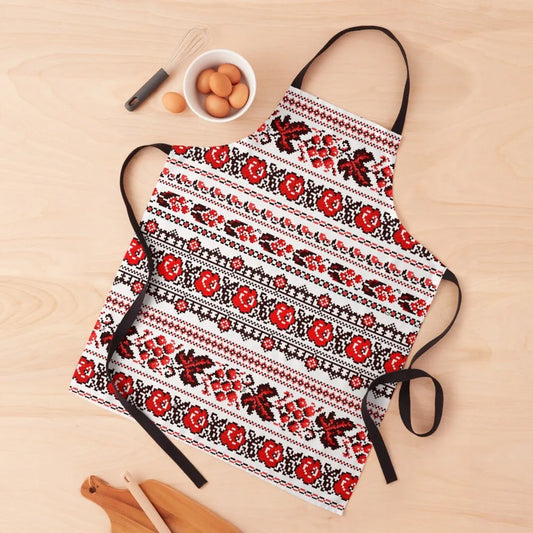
x: 180, y: 513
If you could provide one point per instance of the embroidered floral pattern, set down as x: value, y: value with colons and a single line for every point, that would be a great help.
x: 369, y: 221
x: 309, y: 470
x: 233, y: 436
x: 122, y: 384
x: 283, y: 284
x: 159, y: 402
x: 196, y: 419
x: 271, y: 454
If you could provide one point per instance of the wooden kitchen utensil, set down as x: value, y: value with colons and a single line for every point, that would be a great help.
x: 180, y: 513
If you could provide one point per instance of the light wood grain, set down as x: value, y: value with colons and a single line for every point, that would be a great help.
x: 176, y: 512
x: 463, y: 187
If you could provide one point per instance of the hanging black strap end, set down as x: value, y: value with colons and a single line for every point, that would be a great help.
x: 378, y: 443
x: 121, y: 333
x: 405, y: 376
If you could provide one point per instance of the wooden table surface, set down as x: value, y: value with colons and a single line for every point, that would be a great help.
x: 463, y: 187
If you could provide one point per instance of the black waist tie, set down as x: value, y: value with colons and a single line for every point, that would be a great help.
x: 404, y: 377
x: 122, y: 330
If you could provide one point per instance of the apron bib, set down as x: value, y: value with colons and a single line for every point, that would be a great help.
x: 267, y: 304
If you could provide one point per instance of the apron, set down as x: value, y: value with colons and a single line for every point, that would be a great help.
x: 268, y: 301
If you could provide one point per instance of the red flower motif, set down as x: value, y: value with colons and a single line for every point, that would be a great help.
x: 181, y: 306
x: 404, y: 239
x: 292, y: 187
x: 254, y: 170
x: 282, y: 316
x: 411, y: 338
x: 240, y: 230
x: 84, y: 370
x: 280, y: 247
x: 122, y: 383
x: 271, y: 453
x: 267, y: 343
x: 418, y: 306
x: 195, y: 419
x: 170, y: 267
x: 324, y: 301
x: 237, y: 263
x: 280, y: 282
x: 309, y: 470
x: 159, y: 402
x: 311, y: 363
x: 368, y: 320
x: 217, y: 156
x: 344, y: 485
x: 175, y: 202
x: 245, y: 299
x: 320, y: 332
x: 395, y: 362
x: 151, y: 226
x: 356, y: 382
x: 193, y: 245
x: 313, y: 262
x: 368, y: 219
x: 224, y: 324
x: 233, y: 437
x: 359, y: 349
x: 208, y: 283
x: 137, y: 287
x: 330, y: 202
x: 136, y: 253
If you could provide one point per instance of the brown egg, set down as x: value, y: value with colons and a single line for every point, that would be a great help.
x: 174, y: 102
x: 231, y: 71
x: 239, y: 95
x: 216, y: 106
x: 220, y: 84
x: 202, y: 82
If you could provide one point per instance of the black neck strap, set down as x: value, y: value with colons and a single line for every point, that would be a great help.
x: 400, y: 119
x: 122, y: 331
x: 405, y: 376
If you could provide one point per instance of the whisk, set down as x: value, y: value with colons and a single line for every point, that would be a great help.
x: 193, y: 41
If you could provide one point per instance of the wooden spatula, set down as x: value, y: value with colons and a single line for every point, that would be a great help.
x: 180, y: 513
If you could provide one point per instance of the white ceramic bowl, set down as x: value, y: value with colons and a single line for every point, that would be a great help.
x: 212, y: 59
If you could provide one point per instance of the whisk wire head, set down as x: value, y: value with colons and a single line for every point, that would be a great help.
x: 193, y: 41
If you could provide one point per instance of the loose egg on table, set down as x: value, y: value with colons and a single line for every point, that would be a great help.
x: 174, y: 102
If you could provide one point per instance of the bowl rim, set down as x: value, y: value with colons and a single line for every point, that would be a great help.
x: 251, y: 86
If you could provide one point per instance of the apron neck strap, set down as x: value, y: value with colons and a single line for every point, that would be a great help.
x: 400, y: 119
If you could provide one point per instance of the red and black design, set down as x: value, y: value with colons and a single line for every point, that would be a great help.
x: 259, y: 401
x: 302, y: 230
x: 286, y: 132
x: 322, y: 151
x: 353, y: 167
x: 192, y: 365
x: 368, y: 220
x: 283, y: 284
x: 195, y: 421
x: 332, y: 428
x: 338, y: 205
